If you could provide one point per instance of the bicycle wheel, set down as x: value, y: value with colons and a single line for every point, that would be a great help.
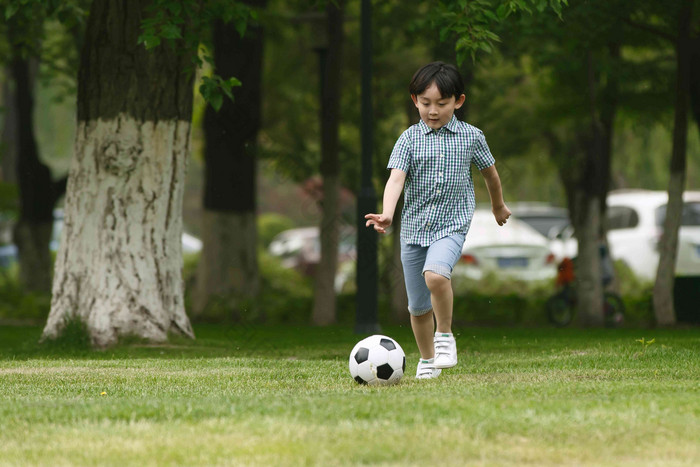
x: 560, y: 311
x: 613, y: 310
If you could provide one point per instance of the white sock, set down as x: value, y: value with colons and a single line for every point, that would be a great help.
x: 427, y: 360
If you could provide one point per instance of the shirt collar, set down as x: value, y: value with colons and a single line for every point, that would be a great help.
x: 451, y: 126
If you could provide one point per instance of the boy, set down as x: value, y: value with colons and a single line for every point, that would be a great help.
x: 432, y: 159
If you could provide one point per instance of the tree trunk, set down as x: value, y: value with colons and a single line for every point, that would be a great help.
x: 668, y: 245
x: 225, y: 270
x: 324, y: 309
x: 586, y: 208
x: 608, y: 112
x: 38, y: 194
x: 588, y: 278
x: 228, y: 267
x: 8, y: 140
x: 695, y: 79
x: 119, y: 265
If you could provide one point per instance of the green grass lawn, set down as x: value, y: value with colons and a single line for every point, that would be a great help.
x: 283, y: 396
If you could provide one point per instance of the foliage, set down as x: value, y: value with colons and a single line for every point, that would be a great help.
x: 51, y: 31
x: 29, y: 17
x: 472, y: 23
x: 189, y: 22
x: 253, y: 395
x: 16, y: 304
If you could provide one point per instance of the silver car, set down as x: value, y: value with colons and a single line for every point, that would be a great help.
x: 514, y: 250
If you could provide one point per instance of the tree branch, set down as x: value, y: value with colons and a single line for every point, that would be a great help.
x: 650, y: 29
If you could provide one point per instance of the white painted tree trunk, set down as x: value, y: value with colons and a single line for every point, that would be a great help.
x: 119, y: 265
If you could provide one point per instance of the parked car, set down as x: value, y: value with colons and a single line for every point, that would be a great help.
x: 300, y: 249
x: 514, y: 250
x: 635, y: 224
x: 542, y: 217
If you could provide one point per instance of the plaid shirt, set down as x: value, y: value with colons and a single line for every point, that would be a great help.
x: 439, y: 192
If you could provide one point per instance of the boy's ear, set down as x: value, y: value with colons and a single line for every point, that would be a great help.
x: 459, y: 102
x: 414, y: 98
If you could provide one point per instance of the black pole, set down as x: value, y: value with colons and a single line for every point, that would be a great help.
x: 366, y: 314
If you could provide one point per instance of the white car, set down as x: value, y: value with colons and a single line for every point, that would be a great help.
x: 300, y: 249
x: 514, y: 250
x: 542, y: 217
x: 635, y: 224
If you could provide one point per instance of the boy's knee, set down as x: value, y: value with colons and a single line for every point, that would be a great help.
x: 435, y: 282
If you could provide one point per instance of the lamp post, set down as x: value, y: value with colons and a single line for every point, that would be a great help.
x: 366, y: 312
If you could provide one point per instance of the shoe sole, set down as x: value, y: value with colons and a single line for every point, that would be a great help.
x: 429, y: 377
x: 443, y: 366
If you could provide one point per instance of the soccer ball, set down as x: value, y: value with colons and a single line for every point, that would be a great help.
x: 377, y: 360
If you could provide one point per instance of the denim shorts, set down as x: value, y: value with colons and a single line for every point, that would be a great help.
x: 440, y: 258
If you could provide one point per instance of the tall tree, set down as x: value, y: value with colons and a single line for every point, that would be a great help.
x: 228, y: 265
x: 38, y: 192
x: 331, y: 61
x: 668, y: 245
x: 118, y: 268
x: 695, y: 77
x: 579, y: 54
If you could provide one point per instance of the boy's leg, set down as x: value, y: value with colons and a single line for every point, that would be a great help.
x: 440, y: 260
x: 442, y: 298
x: 423, y: 330
x: 413, y: 260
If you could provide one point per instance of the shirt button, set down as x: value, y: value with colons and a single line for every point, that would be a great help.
x: 442, y: 155
x: 440, y: 174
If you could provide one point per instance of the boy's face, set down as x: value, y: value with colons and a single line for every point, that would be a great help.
x: 436, y: 111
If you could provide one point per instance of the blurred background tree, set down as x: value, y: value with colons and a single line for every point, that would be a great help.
x: 562, y: 91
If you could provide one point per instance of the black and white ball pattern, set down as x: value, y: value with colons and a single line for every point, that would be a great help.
x: 377, y: 360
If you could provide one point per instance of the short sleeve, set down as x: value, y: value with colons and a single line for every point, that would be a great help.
x: 401, y: 155
x: 482, y: 157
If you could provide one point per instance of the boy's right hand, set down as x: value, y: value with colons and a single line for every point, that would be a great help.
x: 379, y: 221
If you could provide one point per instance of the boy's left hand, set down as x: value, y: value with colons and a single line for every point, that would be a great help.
x: 501, y: 214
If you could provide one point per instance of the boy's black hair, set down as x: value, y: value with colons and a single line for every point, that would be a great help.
x: 445, y: 76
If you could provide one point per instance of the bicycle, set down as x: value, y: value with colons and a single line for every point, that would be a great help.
x: 561, y: 308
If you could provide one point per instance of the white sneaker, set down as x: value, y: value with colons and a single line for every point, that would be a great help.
x: 426, y: 369
x: 445, y: 350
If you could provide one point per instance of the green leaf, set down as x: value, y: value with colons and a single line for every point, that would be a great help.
x: 234, y: 82
x: 240, y: 25
x: 491, y: 15
x: 170, y: 31
x: 175, y: 8
x: 502, y: 11
x: 151, y: 42
x: 486, y: 47
x: 216, y: 101
x: 10, y: 10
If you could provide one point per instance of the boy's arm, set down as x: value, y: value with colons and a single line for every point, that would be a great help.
x: 392, y: 191
x: 493, y: 184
